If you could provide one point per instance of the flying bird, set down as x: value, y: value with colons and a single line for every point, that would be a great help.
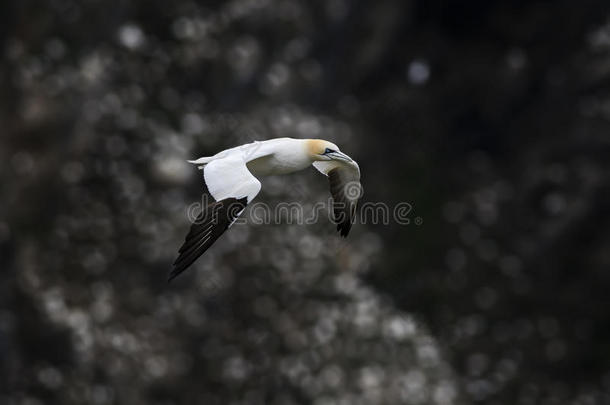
x: 231, y: 183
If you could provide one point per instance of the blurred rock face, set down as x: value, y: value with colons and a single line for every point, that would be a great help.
x: 492, y: 131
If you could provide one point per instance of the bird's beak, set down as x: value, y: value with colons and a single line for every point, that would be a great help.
x: 340, y: 156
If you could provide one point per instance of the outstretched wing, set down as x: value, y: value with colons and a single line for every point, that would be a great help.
x: 231, y: 186
x: 346, y: 190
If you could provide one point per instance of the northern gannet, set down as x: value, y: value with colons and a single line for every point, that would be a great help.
x: 231, y: 184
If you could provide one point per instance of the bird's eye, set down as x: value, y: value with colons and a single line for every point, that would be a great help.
x: 328, y: 150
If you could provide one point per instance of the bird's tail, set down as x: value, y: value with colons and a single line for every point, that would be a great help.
x: 202, y: 161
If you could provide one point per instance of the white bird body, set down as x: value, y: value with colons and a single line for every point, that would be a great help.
x: 230, y: 179
x: 271, y: 157
x: 279, y: 156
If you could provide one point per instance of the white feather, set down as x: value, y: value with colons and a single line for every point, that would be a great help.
x: 230, y: 178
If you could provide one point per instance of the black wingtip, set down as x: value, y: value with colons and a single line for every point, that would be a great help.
x: 172, y: 275
x: 182, y: 264
x: 344, y: 229
x: 210, y: 225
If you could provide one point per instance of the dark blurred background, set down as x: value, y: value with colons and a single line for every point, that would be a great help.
x: 491, y: 118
